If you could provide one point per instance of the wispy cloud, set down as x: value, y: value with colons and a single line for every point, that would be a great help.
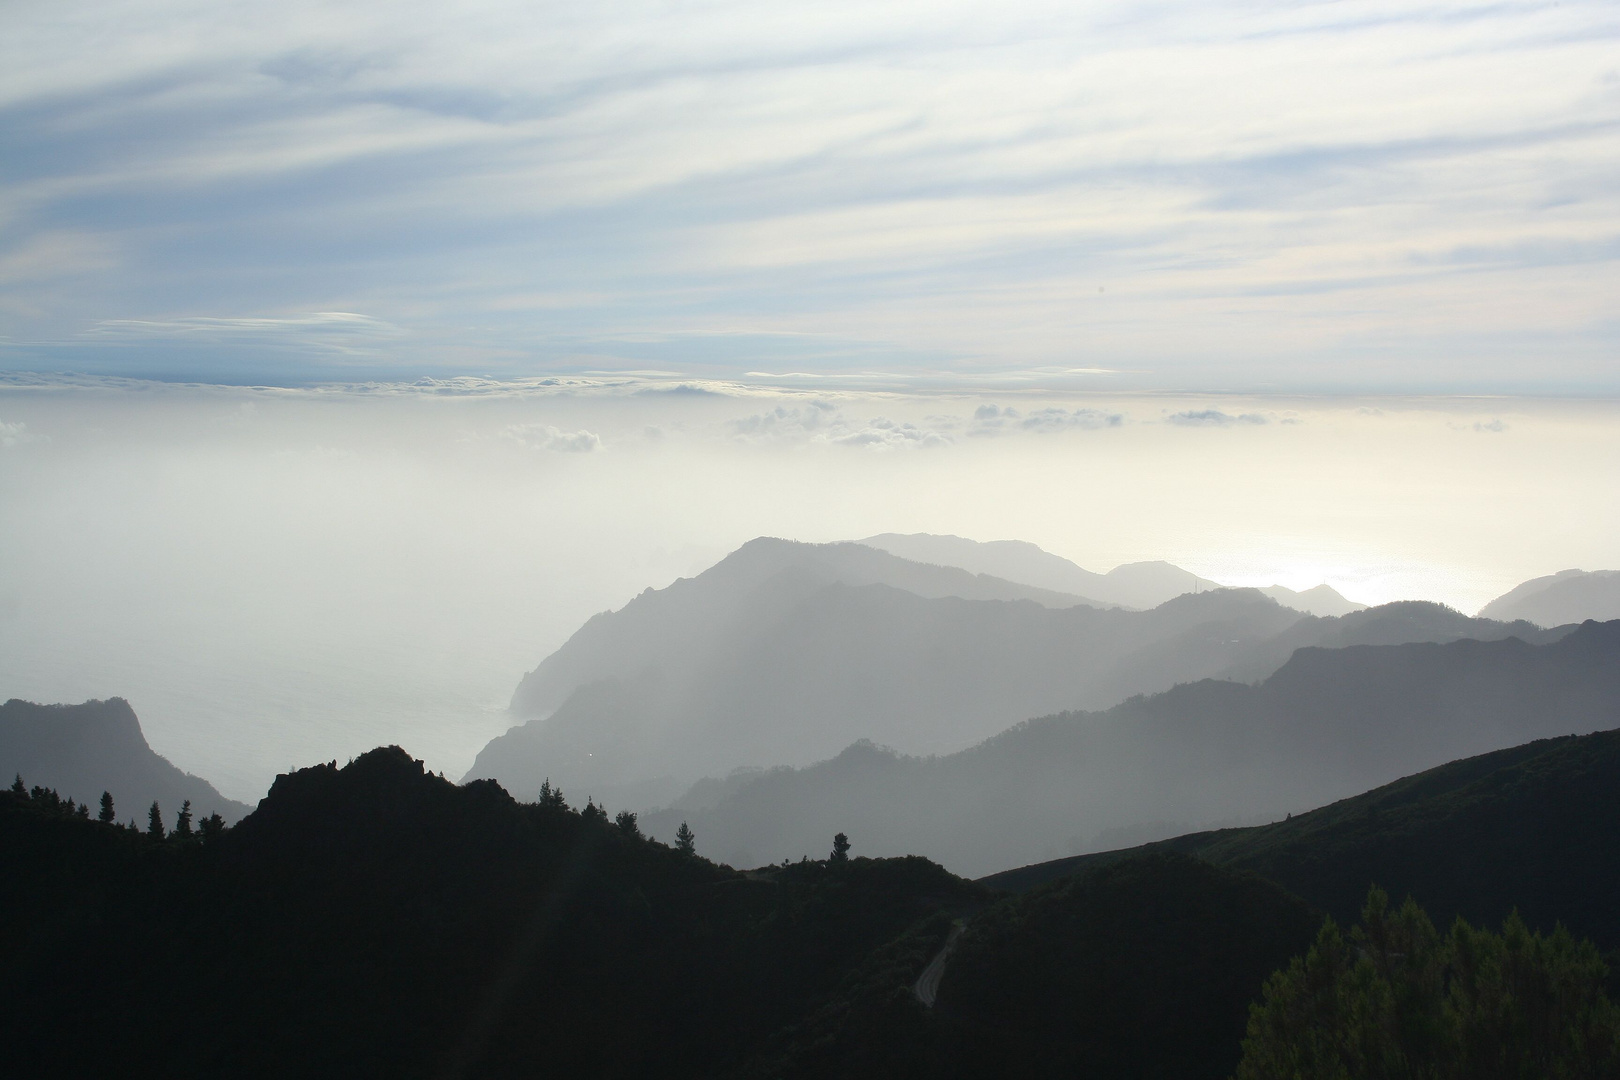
x: 1212, y: 418
x: 338, y: 331
x: 1193, y: 195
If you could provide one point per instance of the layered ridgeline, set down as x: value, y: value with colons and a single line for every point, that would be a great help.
x: 1566, y: 597
x: 376, y: 920
x: 1139, y: 585
x: 1329, y: 723
x: 1533, y: 828
x: 83, y: 750
x: 785, y: 653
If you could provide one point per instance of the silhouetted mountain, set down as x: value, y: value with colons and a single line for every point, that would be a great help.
x: 1142, y: 968
x: 1398, y: 623
x: 1570, y: 596
x: 1329, y: 723
x: 695, y: 619
x: 1533, y: 828
x: 772, y: 657
x: 1134, y: 585
x: 705, y: 677
x: 84, y: 750
x: 1320, y: 600
x: 376, y: 920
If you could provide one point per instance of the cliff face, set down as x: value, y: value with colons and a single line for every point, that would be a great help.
x: 83, y: 750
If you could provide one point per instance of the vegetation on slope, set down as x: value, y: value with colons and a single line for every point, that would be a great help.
x: 1535, y: 828
x: 1396, y: 998
x: 378, y: 920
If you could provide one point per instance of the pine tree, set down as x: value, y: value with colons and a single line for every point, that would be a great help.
x: 592, y: 812
x: 182, y: 821
x: 154, y: 822
x: 626, y: 821
x: 551, y: 798
x: 1396, y: 997
x: 17, y: 787
x: 106, y: 816
x: 685, y: 840
x: 840, y: 851
x: 211, y: 828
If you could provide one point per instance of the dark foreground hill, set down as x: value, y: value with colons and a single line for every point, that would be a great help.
x: 1144, y: 968
x: 377, y: 921
x: 1330, y: 723
x: 83, y: 750
x: 1534, y: 828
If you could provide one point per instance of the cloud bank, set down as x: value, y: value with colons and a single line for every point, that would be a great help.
x: 1414, y: 195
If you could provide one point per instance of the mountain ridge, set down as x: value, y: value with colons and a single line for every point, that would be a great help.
x: 1565, y: 597
x: 785, y: 653
x: 1328, y: 724
x: 1532, y: 827
x: 85, y: 749
x: 1139, y: 585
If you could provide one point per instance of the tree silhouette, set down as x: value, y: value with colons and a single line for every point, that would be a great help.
x: 106, y: 815
x: 182, y: 821
x: 626, y: 821
x: 592, y: 812
x: 840, y: 851
x: 551, y: 798
x: 211, y: 827
x: 1396, y: 997
x: 154, y: 822
x: 17, y: 787
x: 685, y: 840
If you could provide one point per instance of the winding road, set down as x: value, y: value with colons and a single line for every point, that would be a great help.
x: 927, y: 986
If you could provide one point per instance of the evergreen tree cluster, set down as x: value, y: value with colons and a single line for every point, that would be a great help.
x: 1396, y: 998
x: 45, y: 800
x: 48, y: 801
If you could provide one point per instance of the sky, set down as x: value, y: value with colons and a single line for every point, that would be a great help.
x: 1368, y: 197
x: 353, y: 354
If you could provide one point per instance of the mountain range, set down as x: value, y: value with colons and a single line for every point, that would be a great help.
x: 1137, y: 585
x: 785, y: 653
x: 1565, y: 597
x: 1327, y: 724
x: 1533, y: 828
x: 83, y: 750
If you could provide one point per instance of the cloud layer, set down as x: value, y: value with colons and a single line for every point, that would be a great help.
x: 1413, y: 195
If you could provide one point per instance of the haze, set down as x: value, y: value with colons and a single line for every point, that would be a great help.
x: 273, y: 576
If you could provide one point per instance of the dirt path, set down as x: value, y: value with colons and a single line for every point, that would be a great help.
x: 927, y: 987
